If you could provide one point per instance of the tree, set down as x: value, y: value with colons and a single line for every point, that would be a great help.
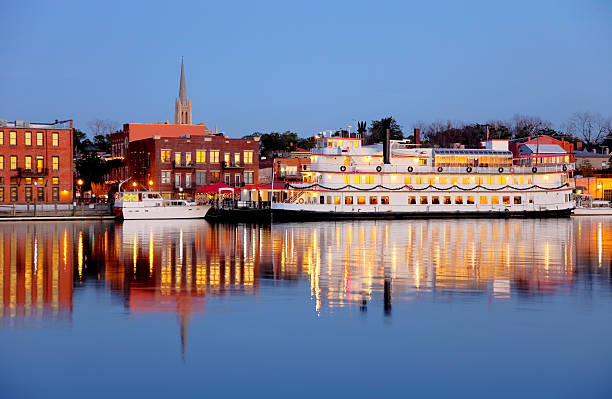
x: 77, y: 140
x: 377, y: 131
x: 592, y: 128
x: 99, y: 127
x: 102, y: 141
x: 527, y: 126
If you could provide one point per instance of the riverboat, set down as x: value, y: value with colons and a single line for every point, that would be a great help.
x: 151, y: 205
x: 397, y: 179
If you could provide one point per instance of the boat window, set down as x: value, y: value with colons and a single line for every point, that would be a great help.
x: 458, y: 200
x: 435, y: 200
x: 337, y: 200
x: 443, y: 180
x: 423, y: 200
x: 483, y: 200
x: 494, y: 200
x: 384, y: 200
x: 361, y: 200
x: 447, y: 199
x: 139, y: 196
x: 517, y: 199
x: 348, y: 200
x: 329, y: 199
x: 531, y: 200
x: 373, y: 200
x: 322, y: 200
x: 470, y: 199
x: 506, y: 200
x: 412, y: 200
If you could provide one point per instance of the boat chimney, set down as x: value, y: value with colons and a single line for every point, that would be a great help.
x: 386, y: 125
x: 417, y: 136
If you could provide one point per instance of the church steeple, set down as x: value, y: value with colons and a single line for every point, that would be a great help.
x: 182, y: 105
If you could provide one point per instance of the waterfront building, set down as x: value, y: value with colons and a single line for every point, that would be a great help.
x: 36, y: 162
x: 592, y: 160
x: 285, y: 169
x: 539, y: 144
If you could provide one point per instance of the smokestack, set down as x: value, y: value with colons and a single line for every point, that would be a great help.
x: 417, y: 136
x: 387, y: 147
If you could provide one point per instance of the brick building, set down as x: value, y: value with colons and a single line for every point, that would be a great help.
x: 178, y: 166
x: 36, y: 164
x: 536, y: 142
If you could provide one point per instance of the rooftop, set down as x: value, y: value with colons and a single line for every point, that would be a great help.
x: 35, y: 125
x: 447, y: 151
x: 527, y: 149
x: 590, y: 154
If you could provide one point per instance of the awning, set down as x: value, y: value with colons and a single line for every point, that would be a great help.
x: 215, y: 188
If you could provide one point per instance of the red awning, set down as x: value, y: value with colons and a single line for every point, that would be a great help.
x: 278, y: 185
x: 215, y: 188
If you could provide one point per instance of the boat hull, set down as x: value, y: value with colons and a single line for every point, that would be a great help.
x: 162, y: 212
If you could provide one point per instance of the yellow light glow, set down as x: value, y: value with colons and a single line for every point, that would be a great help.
x: 134, y: 184
x: 393, y: 177
x: 150, y: 182
x: 80, y: 182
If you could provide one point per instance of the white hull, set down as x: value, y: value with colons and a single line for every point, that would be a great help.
x: 593, y: 212
x: 163, y: 212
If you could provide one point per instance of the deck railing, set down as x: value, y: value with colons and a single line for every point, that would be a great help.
x: 378, y: 168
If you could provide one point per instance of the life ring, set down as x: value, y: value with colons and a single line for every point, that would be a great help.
x: 410, y: 169
x: 440, y: 169
x: 342, y: 168
x: 301, y: 200
x: 468, y: 169
x: 379, y: 168
x: 534, y: 169
x: 500, y: 170
x: 564, y: 168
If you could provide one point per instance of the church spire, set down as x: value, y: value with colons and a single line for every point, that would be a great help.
x: 183, y: 86
x: 182, y: 105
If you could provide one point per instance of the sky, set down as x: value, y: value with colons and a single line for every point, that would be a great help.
x: 304, y: 66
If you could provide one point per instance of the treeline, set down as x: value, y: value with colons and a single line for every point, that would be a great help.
x: 276, y: 143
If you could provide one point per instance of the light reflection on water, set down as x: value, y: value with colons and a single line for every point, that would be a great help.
x: 181, y: 268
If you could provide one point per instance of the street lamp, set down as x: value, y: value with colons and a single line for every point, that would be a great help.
x: 134, y: 184
x: 80, y: 184
x: 35, y: 195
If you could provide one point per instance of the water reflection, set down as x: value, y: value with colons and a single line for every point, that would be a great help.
x: 161, y: 266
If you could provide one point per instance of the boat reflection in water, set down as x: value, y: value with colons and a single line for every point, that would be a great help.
x: 161, y: 266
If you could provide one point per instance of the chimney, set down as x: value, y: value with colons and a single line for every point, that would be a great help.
x: 387, y: 147
x: 417, y: 136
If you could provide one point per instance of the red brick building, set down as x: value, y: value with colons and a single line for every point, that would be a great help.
x: 36, y: 163
x: 516, y: 144
x: 178, y: 166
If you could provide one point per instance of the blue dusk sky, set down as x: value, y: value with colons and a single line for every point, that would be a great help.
x: 304, y: 66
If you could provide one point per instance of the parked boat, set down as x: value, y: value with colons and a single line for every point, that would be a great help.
x: 590, y: 207
x: 396, y: 179
x: 151, y: 205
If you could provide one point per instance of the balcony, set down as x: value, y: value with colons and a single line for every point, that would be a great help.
x: 232, y: 165
x: 36, y: 172
x: 183, y: 165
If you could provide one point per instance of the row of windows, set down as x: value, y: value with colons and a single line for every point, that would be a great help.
x: 40, y: 138
x: 200, y: 178
x: 28, y: 162
x: 28, y: 181
x: 28, y: 194
x: 424, y: 200
x: 213, y: 156
x: 454, y: 180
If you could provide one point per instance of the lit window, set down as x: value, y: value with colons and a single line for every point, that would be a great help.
x: 506, y: 200
x: 188, y: 158
x: 13, y: 162
x: 248, y: 157
x: 165, y: 155
x: 483, y: 200
x: 55, y: 139
x: 373, y: 200
x: 407, y: 180
x: 361, y: 200
x: 411, y: 200
x: 470, y: 200
x: 1, y: 162
x: 13, y: 138
x: 177, y: 158
x: 422, y: 162
x: 384, y: 200
x: 28, y: 138
x: 348, y: 200
x: 40, y: 139
x: 501, y: 180
x: 517, y: 200
x: 329, y: 199
x: 165, y: 176
x: 337, y: 200
x: 419, y: 180
x: 454, y: 181
x: 423, y: 200
x: 465, y: 180
x: 369, y: 179
x: 357, y: 179
x: 494, y: 200
x: 55, y: 163
x: 226, y: 157
x: 40, y: 163
x: 458, y: 200
x: 13, y: 194
x: 432, y: 180
x: 237, y: 158
x: 28, y: 162
x: 347, y: 179
x: 1, y: 138
x: 55, y: 180
x: 435, y: 200
x: 447, y: 200
x: 201, y: 156
x: 443, y: 180
x: 214, y: 156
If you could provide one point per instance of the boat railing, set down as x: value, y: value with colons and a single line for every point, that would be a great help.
x: 378, y: 168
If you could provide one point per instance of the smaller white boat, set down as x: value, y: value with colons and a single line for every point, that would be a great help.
x: 151, y: 205
x: 590, y: 207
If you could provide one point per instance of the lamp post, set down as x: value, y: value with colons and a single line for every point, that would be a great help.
x: 35, y: 195
x: 80, y: 186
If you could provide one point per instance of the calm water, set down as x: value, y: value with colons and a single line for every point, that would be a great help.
x: 428, y: 308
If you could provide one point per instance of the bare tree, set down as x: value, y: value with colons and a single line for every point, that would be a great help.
x: 99, y: 127
x: 528, y: 126
x: 592, y: 128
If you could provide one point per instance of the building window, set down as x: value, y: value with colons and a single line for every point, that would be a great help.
x: 384, y: 200
x: 55, y: 162
x: 214, y: 177
x: 248, y: 177
x: 28, y: 181
x: 40, y: 139
x: 177, y: 180
x: 55, y: 193
x: 187, y: 179
x: 41, y: 193
x: 28, y: 193
x: 177, y: 158
x: 55, y: 180
x: 200, y: 177
x: 214, y: 156
x: 248, y: 157
x: 227, y: 179
x: 237, y: 158
x: 1, y: 194
x: 28, y: 162
x: 28, y: 138
x: 348, y: 200
x: 13, y: 138
x: 226, y: 157
x: 1, y: 162
x: 55, y: 139
x: 237, y: 179
x: 14, y: 194
x: 40, y: 163
x: 1, y: 138
x: 165, y: 176
x: 165, y: 155
x: 201, y: 156
x: 13, y: 162
x: 187, y: 158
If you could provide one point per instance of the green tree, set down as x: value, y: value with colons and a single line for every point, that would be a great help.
x: 377, y: 131
x: 102, y: 141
